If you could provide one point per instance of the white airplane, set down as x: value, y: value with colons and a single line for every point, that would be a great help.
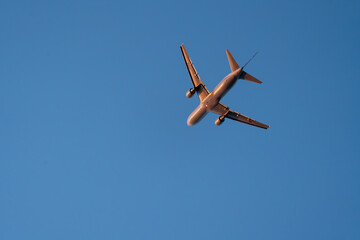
x: 210, y: 102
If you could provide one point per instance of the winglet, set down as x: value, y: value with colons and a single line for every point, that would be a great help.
x: 232, y: 62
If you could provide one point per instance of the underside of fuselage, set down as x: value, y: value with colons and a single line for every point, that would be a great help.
x: 213, y: 98
x: 197, y: 114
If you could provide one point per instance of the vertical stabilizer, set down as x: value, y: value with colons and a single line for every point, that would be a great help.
x: 232, y: 62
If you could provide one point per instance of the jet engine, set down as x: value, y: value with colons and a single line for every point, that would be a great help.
x: 190, y: 93
x: 219, y: 120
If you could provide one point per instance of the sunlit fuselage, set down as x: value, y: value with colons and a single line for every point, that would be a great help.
x: 214, y: 97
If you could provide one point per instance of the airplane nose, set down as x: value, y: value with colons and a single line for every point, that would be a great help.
x: 196, y: 115
x: 189, y: 122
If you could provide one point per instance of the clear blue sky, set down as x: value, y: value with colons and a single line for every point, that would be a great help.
x: 93, y: 136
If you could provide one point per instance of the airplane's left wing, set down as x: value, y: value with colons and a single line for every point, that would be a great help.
x: 195, y: 78
x: 223, y: 110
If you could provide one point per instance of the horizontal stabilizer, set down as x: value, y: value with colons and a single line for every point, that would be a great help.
x: 232, y: 62
x: 250, y: 78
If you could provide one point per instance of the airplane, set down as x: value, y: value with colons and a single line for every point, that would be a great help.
x: 210, y: 101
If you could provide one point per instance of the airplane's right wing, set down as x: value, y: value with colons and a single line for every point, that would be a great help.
x: 195, y: 78
x: 222, y: 110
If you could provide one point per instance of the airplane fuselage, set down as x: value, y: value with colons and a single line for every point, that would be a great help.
x: 214, y: 97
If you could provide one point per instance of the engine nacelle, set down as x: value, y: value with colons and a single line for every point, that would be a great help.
x: 219, y: 120
x: 190, y: 93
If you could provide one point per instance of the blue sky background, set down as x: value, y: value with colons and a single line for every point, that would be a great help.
x: 94, y: 142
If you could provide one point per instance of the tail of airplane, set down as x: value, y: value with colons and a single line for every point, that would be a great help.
x: 234, y: 66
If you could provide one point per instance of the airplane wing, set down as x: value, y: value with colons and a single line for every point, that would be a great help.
x: 195, y: 78
x: 222, y: 110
